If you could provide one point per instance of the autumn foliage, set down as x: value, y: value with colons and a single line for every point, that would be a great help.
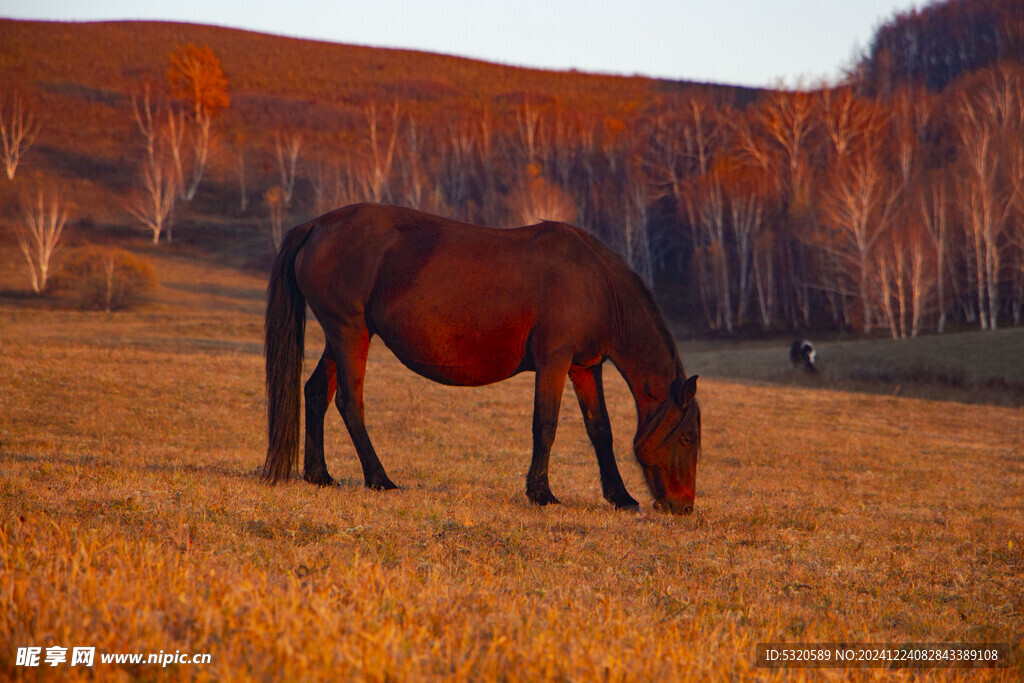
x: 195, y: 75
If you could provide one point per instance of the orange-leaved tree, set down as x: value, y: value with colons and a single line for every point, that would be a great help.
x: 195, y: 75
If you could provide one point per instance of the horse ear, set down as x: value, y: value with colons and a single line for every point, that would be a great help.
x: 684, y: 392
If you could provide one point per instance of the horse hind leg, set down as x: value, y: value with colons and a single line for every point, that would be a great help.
x: 319, y: 391
x: 589, y: 387
x: 350, y: 358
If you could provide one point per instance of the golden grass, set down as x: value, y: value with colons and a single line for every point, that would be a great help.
x: 131, y: 519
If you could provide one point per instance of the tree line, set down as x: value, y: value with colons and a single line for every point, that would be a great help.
x: 809, y: 207
x: 932, y: 46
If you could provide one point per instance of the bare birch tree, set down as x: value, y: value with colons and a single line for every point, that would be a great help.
x: 986, y: 198
x: 382, y: 154
x: 933, y: 202
x: 39, y: 235
x: 18, y: 131
x: 887, y: 274
x: 702, y: 133
x: 324, y: 179
x: 910, y: 112
x: 153, y: 203
x: 487, y: 162
x: 764, y: 277
x: 456, y: 166
x: 847, y: 120
x: 665, y: 159
x: 529, y: 131
x: 144, y: 120
x: 754, y: 154
x: 787, y: 121
x: 175, y: 141
x: 414, y: 188
x: 287, y: 146
x: 904, y: 275
x: 336, y: 183
x: 561, y: 152
x: 780, y: 141
x: 858, y: 205
x: 274, y: 199
x: 707, y: 208
x: 923, y: 276
x: 636, y: 233
x: 745, y: 190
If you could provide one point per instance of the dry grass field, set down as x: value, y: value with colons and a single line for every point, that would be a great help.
x: 132, y: 519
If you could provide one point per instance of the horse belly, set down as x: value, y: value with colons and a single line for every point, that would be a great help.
x: 454, y: 350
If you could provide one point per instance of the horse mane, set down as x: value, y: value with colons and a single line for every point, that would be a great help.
x: 623, y: 278
x: 650, y: 306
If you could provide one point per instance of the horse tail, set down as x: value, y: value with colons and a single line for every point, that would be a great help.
x: 284, y: 342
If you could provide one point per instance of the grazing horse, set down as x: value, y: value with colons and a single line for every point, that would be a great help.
x: 466, y: 305
x: 802, y: 352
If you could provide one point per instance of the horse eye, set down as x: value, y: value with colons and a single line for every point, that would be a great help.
x: 685, y: 439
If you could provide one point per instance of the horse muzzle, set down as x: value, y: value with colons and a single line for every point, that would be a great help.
x: 673, y: 507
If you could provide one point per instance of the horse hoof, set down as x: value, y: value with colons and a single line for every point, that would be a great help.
x: 542, y: 498
x: 626, y: 503
x: 385, y: 485
x: 323, y: 479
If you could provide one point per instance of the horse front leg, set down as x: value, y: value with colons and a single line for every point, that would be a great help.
x: 350, y: 357
x: 319, y: 391
x: 547, y: 399
x: 589, y: 387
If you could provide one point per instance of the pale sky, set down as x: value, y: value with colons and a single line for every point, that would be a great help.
x: 751, y: 42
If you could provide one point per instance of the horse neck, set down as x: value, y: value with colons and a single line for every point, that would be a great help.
x: 642, y: 356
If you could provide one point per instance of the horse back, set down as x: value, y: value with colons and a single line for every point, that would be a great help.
x: 459, y: 303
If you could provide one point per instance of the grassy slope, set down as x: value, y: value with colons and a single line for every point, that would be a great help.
x: 131, y: 517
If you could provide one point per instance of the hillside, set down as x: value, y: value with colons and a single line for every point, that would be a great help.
x: 80, y: 79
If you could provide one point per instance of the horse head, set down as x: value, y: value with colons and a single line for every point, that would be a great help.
x: 668, y: 447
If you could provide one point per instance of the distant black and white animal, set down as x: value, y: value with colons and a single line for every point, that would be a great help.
x: 803, y: 353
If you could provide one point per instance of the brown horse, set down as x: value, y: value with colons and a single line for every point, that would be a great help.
x: 466, y: 305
